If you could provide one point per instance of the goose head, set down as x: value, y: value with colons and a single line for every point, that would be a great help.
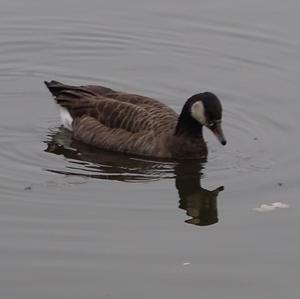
x: 202, y: 109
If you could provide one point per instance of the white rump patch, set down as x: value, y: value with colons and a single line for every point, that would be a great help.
x: 66, y: 117
x: 198, y: 112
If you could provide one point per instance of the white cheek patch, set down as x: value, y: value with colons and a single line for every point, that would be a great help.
x: 198, y: 113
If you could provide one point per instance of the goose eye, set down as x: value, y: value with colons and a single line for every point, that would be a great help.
x: 213, y: 123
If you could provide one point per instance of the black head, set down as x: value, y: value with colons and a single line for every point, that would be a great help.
x: 203, y: 109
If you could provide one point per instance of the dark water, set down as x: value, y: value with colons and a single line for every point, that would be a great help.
x: 80, y: 223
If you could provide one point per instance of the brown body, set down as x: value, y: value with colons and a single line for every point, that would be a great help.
x: 126, y: 123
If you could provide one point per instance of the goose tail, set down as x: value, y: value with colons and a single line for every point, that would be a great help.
x: 55, y: 88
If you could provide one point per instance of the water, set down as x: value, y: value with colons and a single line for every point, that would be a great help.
x: 80, y: 223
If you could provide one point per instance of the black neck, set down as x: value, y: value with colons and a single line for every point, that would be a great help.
x: 187, y: 125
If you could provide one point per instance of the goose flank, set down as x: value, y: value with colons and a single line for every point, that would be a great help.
x: 134, y: 124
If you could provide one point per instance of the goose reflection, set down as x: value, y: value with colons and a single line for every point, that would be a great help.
x: 200, y: 204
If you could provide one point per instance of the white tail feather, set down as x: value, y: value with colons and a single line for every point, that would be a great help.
x: 66, y: 117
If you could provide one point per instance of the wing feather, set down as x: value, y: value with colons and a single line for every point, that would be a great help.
x: 118, y: 114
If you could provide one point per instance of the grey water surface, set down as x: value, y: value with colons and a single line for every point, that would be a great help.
x: 76, y: 222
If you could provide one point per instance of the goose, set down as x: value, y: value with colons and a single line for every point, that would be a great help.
x: 135, y: 124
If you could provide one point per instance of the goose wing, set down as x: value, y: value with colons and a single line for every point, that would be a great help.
x: 113, y: 109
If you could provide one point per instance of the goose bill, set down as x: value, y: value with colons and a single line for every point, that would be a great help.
x: 217, y: 130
